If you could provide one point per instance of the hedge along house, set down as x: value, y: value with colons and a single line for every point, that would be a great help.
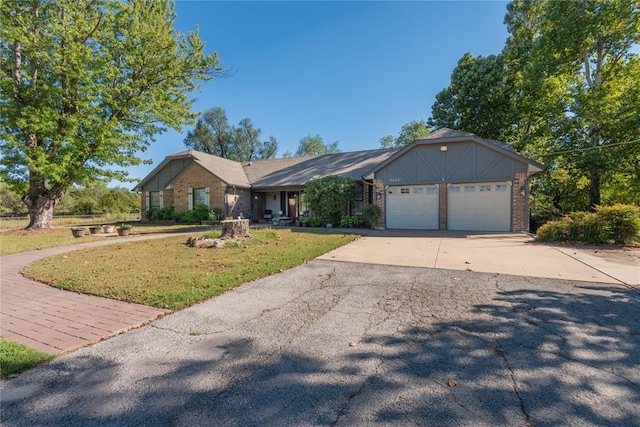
x: 448, y: 180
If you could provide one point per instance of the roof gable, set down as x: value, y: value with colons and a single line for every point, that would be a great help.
x: 445, y: 135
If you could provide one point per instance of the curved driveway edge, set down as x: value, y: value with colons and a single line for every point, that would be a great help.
x: 57, y: 321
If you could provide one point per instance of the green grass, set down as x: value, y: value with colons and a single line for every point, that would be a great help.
x: 167, y: 274
x: 16, y: 358
x: 16, y: 241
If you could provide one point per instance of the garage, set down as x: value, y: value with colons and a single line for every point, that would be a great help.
x: 412, y: 207
x: 484, y: 206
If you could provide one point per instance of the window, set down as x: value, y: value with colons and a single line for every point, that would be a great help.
x: 469, y: 188
x: 485, y: 188
x: 455, y: 189
x: 501, y: 187
x: 418, y: 190
x: 405, y: 191
x: 200, y: 197
x: 154, y: 200
x: 431, y: 190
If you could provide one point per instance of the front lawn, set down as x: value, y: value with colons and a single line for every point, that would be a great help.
x: 16, y: 358
x: 167, y: 274
x: 16, y: 241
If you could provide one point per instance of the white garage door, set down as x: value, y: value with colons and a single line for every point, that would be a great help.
x: 413, y: 207
x: 484, y: 206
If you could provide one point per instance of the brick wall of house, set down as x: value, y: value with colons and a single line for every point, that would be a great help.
x: 167, y: 198
x: 519, y: 208
x: 195, y: 176
x: 379, y: 198
x: 242, y: 202
x: 442, y: 206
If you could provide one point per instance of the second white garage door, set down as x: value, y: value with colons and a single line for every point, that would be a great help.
x: 413, y: 207
x: 482, y: 206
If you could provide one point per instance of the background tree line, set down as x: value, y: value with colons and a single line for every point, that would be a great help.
x: 95, y: 200
x: 214, y: 135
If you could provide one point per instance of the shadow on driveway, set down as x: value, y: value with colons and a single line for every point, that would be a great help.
x: 516, y: 357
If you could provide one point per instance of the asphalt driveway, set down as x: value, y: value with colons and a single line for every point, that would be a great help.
x: 339, y: 343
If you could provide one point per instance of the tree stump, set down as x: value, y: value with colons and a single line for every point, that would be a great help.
x: 234, y: 228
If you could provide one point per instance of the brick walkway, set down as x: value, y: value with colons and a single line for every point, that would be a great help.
x: 57, y: 321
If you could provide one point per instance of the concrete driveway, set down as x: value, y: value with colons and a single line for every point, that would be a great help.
x: 340, y: 344
x: 503, y: 253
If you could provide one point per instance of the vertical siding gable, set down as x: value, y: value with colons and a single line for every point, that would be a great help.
x: 165, y: 175
x: 463, y: 161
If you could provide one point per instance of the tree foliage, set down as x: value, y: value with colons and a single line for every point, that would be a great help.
x: 92, y: 200
x: 84, y: 86
x: 314, y: 146
x: 410, y: 132
x: 477, y: 100
x: 564, y: 91
x: 212, y: 134
x: 328, y: 197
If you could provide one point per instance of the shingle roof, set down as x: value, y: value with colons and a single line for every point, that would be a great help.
x: 227, y: 170
x: 297, y: 171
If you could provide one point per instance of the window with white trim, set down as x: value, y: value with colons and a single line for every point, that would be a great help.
x: 418, y: 190
x: 469, y: 188
x: 431, y: 190
x: 485, y: 188
x: 200, y: 197
x: 501, y: 187
x: 405, y: 191
x: 455, y: 189
x: 155, y: 201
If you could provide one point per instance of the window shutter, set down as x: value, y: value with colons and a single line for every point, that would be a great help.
x: 190, y: 195
x: 148, y: 199
x: 161, y: 200
x: 208, y: 197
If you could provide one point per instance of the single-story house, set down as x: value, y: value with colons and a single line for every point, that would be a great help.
x: 448, y: 180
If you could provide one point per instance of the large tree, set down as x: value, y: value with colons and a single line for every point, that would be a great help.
x: 580, y: 76
x: 314, y: 146
x: 408, y: 133
x: 213, y: 135
x: 85, y: 85
x: 477, y: 99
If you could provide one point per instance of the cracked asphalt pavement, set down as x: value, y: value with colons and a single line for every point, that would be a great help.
x: 336, y: 344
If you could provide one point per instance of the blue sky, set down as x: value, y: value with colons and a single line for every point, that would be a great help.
x: 351, y: 72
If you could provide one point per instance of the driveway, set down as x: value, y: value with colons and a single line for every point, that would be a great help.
x: 339, y: 344
x: 506, y: 253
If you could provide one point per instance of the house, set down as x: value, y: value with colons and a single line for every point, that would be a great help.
x: 448, y: 180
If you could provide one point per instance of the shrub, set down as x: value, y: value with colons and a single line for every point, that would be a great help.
x: 163, y: 214
x: 314, y: 222
x: 328, y: 197
x: 585, y: 227
x: 621, y: 222
x: 196, y: 216
x: 351, y: 221
x: 618, y: 224
x: 371, y: 214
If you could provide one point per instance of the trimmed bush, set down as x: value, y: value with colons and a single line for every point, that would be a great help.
x: 617, y: 224
x: 621, y: 222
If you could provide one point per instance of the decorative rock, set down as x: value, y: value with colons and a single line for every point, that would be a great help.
x: 192, y: 242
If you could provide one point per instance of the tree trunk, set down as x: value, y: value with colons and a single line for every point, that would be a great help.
x: 596, y: 172
x: 41, y: 203
x: 235, y: 228
x: 594, y: 190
